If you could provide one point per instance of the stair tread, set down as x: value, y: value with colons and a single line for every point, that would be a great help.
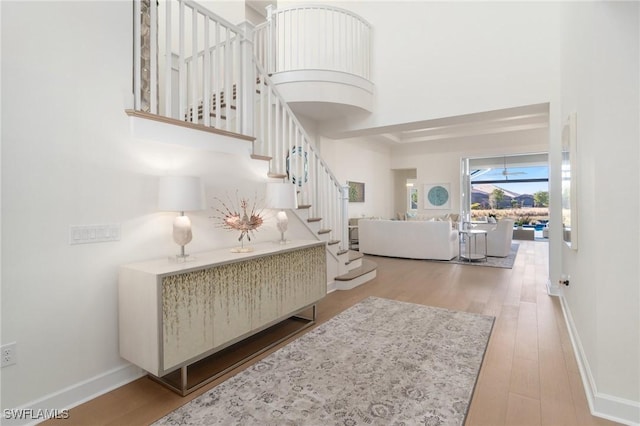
x: 324, y: 231
x: 261, y: 157
x: 304, y: 206
x: 341, y: 252
x: 314, y: 219
x: 367, y: 266
x: 332, y: 242
x: 355, y: 255
x: 277, y: 175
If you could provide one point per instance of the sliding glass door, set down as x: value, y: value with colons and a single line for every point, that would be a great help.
x: 514, y: 186
x: 465, y: 191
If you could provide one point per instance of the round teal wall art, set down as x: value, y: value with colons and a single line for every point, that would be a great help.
x: 437, y: 196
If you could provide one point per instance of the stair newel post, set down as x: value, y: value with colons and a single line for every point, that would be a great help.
x: 182, y: 72
x: 228, y: 77
x: 262, y: 127
x: 303, y: 169
x: 206, y: 76
x: 137, y: 60
x: 344, y: 211
x: 193, y: 67
x: 271, y: 39
x: 145, y: 50
x: 317, y: 191
x: 168, y: 63
x: 311, y: 184
x: 153, y: 58
x: 217, y: 82
x: 248, y: 84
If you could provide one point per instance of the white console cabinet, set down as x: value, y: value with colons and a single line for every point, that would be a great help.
x: 174, y: 314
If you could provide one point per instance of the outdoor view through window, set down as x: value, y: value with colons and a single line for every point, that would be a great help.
x: 521, y: 193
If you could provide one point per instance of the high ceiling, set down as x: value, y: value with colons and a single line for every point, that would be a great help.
x: 483, y: 123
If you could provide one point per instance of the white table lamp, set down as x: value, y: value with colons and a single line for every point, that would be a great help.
x: 281, y: 196
x: 180, y: 193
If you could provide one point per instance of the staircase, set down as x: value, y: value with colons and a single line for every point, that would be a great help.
x: 349, y: 269
x: 360, y: 271
x: 223, y: 84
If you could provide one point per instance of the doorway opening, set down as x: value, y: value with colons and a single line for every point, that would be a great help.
x: 512, y: 186
x: 406, y: 191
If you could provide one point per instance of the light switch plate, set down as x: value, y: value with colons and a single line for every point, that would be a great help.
x: 86, y: 234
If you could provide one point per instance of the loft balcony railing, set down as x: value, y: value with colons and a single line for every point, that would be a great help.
x: 188, y: 61
x: 314, y: 37
x: 192, y: 65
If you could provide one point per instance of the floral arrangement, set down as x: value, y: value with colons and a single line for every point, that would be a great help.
x: 239, y: 216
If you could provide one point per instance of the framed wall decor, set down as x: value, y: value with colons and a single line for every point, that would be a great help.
x: 356, y: 192
x: 437, y: 196
x: 569, y: 183
x: 412, y: 196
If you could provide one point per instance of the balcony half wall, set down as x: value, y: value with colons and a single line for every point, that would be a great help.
x: 324, y: 94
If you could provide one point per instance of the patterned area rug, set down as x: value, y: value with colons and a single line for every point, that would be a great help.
x: 380, y: 362
x: 495, y: 262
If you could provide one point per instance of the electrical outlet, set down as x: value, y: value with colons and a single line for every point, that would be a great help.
x: 8, y: 353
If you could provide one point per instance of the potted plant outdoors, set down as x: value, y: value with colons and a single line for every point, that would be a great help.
x: 522, y: 220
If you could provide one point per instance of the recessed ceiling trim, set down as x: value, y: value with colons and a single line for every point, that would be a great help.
x: 529, y: 118
x: 475, y: 132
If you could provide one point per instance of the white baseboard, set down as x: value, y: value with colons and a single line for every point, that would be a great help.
x: 331, y: 287
x: 601, y: 405
x: 76, y: 394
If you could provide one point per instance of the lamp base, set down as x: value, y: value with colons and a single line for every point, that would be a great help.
x: 180, y: 258
x: 282, y: 224
x: 242, y: 250
x: 282, y: 240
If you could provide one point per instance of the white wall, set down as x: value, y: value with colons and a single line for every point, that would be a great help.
x: 600, y: 69
x: 68, y: 159
x: 372, y: 162
x: 439, y: 161
x: 362, y: 160
x: 233, y: 11
x: 455, y: 58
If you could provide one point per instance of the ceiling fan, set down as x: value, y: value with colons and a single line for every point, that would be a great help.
x: 505, y: 171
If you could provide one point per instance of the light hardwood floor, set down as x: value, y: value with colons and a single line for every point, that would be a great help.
x: 529, y: 375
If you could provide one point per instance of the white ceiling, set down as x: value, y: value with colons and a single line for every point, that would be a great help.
x: 513, y: 160
x: 483, y: 123
x: 323, y: 111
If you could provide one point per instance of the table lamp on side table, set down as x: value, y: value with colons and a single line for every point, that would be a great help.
x: 281, y: 196
x: 180, y: 193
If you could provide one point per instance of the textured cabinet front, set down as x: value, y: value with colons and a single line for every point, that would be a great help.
x: 206, y: 309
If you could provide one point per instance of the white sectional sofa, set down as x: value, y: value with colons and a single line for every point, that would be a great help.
x: 409, y: 239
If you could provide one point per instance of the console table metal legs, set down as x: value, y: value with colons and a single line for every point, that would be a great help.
x: 178, y: 381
